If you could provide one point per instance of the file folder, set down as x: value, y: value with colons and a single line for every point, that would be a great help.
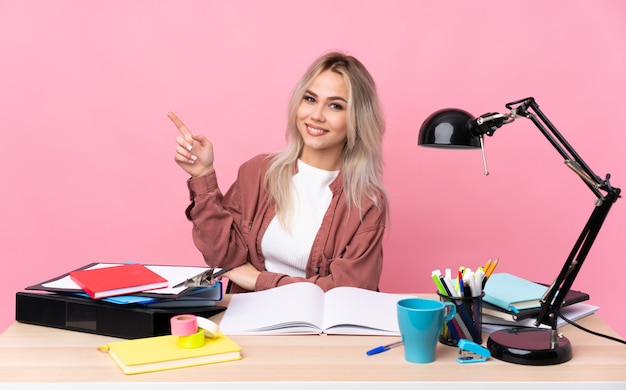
x: 97, y: 317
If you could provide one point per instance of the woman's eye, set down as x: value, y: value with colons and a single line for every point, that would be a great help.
x: 336, y: 106
x: 309, y: 99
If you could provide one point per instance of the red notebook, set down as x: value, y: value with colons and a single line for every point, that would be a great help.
x: 117, y: 280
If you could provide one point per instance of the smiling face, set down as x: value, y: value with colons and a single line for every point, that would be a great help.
x: 322, y: 121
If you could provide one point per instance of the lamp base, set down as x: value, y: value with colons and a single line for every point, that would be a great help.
x: 529, y: 346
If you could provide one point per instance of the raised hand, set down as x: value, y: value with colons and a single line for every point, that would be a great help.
x: 194, y: 153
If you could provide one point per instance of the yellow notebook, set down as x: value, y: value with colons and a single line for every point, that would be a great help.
x: 163, y: 353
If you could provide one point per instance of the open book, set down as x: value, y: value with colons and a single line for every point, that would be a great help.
x: 304, y: 308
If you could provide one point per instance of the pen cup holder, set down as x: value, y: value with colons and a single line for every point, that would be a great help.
x: 467, y: 323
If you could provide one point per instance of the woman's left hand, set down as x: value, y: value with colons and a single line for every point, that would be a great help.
x: 244, y: 276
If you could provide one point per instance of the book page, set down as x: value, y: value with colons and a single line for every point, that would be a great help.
x: 350, y: 310
x: 293, y: 308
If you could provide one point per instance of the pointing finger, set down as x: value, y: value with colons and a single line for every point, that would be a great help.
x: 179, y: 124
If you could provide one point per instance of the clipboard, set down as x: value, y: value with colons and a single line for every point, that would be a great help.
x: 176, y: 275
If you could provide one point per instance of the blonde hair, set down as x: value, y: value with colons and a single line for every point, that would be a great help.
x: 362, y: 160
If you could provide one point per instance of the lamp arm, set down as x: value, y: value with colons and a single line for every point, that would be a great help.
x: 552, y: 300
x: 605, y: 194
x: 530, y: 109
x: 488, y: 123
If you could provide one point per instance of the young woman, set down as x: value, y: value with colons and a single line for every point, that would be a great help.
x: 314, y: 212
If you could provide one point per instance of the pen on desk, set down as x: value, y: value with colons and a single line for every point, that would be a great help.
x: 383, y: 348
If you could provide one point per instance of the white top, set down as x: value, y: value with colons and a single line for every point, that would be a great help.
x: 287, y: 252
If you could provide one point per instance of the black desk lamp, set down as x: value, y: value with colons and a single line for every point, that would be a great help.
x: 454, y: 128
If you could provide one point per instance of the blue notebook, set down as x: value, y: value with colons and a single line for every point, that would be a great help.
x: 513, y: 293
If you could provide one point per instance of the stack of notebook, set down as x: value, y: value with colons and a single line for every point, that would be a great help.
x: 513, y: 298
x: 511, y: 301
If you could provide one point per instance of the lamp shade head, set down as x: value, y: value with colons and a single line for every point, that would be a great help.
x: 448, y: 128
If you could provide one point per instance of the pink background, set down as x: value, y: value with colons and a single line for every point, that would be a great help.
x: 87, y: 166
